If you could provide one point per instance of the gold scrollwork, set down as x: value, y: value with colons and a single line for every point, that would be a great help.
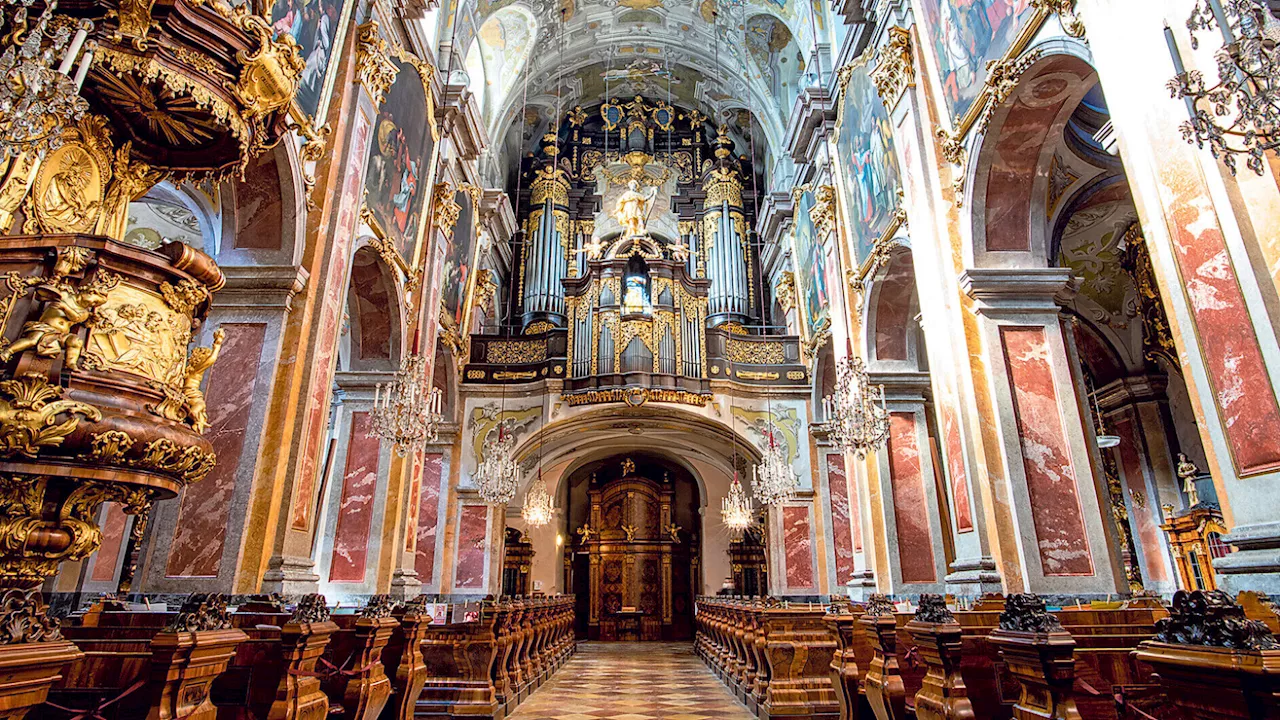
x: 795, y: 374
x: 447, y: 210
x: 1066, y: 11
x: 475, y: 374
x: 756, y: 375
x: 785, y: 290
x: 895, y: 71
x: 629, y: 396
x: 269, y: 76
x: 515, y: 352
x: 509, y: 375
x: 374, y: 66
x: 108, y: 447
x: 538, y: 327
x: 722, y: 185
x: 756, y: 353
x: 35, y: 415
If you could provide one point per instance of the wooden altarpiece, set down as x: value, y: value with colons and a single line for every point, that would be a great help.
x: 640, y: 562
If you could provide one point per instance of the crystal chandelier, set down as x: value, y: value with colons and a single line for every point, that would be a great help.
x: 854, y: 419
x: 406, y: 411
x: 498, y: 476
x: 538, y: 505
x: 1240, y: 115
x: 37, y: 99
x: 774, y: 480
x: 735, y: 507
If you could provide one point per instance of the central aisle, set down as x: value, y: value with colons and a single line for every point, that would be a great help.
x: 633, y: 681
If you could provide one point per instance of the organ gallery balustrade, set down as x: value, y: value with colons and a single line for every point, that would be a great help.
x: 1003, y: 658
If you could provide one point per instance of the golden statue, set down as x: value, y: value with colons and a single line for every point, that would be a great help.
x: 198, y: 362
x: 584, y: 533
x: 679, y: 250
x: 674, y: 531
x: 66, y: 200
x: 1187, y: 472
x: 633, y: 208
x: 630, y: 532
x: 594, y: 248
x: 54, y: 332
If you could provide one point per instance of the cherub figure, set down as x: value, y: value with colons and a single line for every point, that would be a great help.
x: 679, y: 251
x: 584, y: 533
x: 594, y: 248
x: 54, y: 332
x: 674, y: 532
x: 198, y: 362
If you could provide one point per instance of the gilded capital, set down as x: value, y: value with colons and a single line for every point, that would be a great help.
x: 895, y: 70
x: 823, y: 212
x: 447, y: 209
x: 374, y: 66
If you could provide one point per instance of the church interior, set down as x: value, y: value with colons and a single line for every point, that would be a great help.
x: 640, y: 359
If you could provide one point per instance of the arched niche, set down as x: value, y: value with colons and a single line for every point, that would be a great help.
x: 893, y: 335
x: 373, y: 335
x: 1010, y: 205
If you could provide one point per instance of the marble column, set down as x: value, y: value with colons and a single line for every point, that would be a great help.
x: 1214, y: 251
x: 959, y: 397
x: 1058, y: 499
x: 910, y: 509
x: 793, y: 566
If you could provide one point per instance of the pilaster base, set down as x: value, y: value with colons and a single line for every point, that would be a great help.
x: 290, y: 576
x: 973, y: 577
x: 405, y: 585
x: 1256, y: 563
x: 861, y: 587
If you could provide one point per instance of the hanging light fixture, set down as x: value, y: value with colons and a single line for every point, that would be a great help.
x: 37, y: 99
x: 774, y: 480
x: 406, y: 411
x: 498, y: 476
x: 735, y: 508
x: 1240, y: 115
x: 539, y: 507
x: 854, y: 419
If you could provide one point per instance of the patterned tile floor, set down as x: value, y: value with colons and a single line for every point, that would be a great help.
x: 633, y: 681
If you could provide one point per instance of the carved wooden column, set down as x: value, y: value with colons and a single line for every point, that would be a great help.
x: 883, y: 681
x: 942, y: 695
x: 1213, y: 662
x: 1041, y: 655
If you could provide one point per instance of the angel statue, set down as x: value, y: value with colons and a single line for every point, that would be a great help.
x: 679, y: 250
x: 633, y: 209
x: 594, y: 248
x: 198, y: 362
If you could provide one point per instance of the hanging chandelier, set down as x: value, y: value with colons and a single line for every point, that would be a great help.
x: 856, y: 422
x: 538, y: 505
x: 498, y: 476
x: 1240, y: 115
x: 774, y: 480
x: 735, y: 507
x: 37, y: 99
x: 406, y: 411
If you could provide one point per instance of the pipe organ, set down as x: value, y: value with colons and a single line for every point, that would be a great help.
x: 546, y: 256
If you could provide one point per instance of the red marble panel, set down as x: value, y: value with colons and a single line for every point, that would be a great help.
x: 259, y: 205
x: 113, y: 525
x: 841, y: 522
x: 326, y: 345
x: 959, y: 475
x: 355, y: 508
x: 1242, y: 389
x: 1141, y: 521
x: 372, y: 306
x: 797, y: 547
x: 427, y: 532
x: 201, y: 530
x: 910, y: 508
x: 473, y: 540
x: 1018, y: 147
x: 1046, y: 458
x: 894, y: 305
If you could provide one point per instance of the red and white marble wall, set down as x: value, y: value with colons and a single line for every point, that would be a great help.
x: 793, y: 571
x: 427, y: 531
x: 474, y: 566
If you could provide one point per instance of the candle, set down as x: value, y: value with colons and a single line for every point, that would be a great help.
x: 1221, y: 17
x: 74, y: 49
x: 85, y: 61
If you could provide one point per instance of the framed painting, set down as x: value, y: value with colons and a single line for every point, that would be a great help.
x: 459, y: 261
x: 870, y: 178
x: 398, y: 174
x: 811, y: 266
x: 319, y: 27
x: 967, y: 34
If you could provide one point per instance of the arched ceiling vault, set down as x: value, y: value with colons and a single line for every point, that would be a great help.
x: 642, y: 43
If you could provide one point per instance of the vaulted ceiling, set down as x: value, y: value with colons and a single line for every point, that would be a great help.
x: 720, y: 56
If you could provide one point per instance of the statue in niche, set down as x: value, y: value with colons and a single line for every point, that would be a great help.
x: 1188, y: 472
x: 636, y: 297
x: 633, y: 208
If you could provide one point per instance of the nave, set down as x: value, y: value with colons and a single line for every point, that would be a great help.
x: 633, y: 681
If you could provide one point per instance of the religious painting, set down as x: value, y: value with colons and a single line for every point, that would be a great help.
x: 869, y: 165
x: 397, y: 174
x: 811, y: 268
x: 458, y: 261
x: 316, y: 25
x: 966, y: 35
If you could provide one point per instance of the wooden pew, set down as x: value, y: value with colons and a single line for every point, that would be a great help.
x: 355, y: 679
x: 149, y: 665
x: 402, y: 660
